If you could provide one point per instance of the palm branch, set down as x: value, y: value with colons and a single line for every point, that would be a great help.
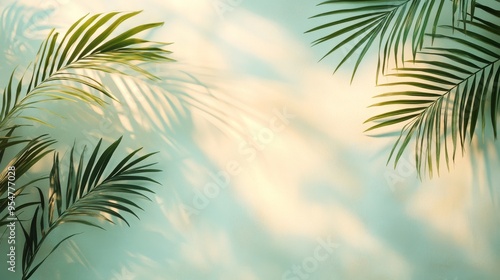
x: 94, y: 192
x: 389, y: 25
x: 56, y: 74
x: 447, y: 92
x: 439, y: 94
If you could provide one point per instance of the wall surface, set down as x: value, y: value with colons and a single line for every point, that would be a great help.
x: 267, y: 171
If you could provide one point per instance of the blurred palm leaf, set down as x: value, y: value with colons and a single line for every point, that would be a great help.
x: 88, y: 197
x: 389, y: 25
x: 446, y: 91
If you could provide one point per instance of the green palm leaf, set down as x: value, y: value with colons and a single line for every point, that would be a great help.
x: 448, y: 93
x: 93, y: 192
x: 359, y: 25
x: 89, y: 44
x: 57, y: 74
x: 61, y: 72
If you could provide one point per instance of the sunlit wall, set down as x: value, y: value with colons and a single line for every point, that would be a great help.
x: 267, y: 173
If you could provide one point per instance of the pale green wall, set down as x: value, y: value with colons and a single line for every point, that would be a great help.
x: 319, y: 178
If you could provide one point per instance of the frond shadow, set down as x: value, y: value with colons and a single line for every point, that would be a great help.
x: 22, y: 29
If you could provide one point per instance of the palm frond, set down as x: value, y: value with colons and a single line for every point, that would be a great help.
x: 92, y: 194
x: 388, y: 25
x: 446, y: 93
x: 60, y: 71
x: 88, y: 44
x: 56, y: 74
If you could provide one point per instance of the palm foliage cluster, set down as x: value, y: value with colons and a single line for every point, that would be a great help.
x: 95, y: 190
x: 440, y: 64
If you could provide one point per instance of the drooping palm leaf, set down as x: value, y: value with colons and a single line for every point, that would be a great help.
x: 388, y: 25
x: 93, y: 192
x: 446, y: 93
